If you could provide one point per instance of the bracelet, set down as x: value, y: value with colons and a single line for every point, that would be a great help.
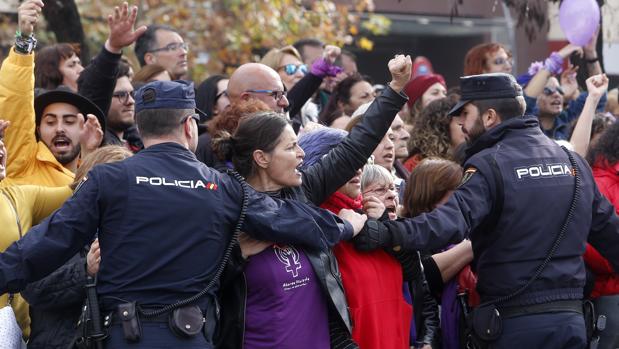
x: 24, y: 44
x: 554, y: 63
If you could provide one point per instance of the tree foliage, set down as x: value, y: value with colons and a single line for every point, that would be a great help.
x: 226, y: 33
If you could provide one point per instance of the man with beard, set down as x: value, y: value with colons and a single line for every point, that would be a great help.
x: 50, y: 157
x: 529, y: 207
x: 120, y: 117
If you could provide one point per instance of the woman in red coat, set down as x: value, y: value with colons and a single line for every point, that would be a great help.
x: 604, y: 160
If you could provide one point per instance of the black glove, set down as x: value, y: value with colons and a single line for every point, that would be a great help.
x: 374, y: 235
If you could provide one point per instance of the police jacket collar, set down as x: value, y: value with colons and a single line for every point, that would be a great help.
x: 168, y: 147
x: 495, y: 134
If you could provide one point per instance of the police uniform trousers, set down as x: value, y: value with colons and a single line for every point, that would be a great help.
x: 564, y: 330
x: 154, y: 336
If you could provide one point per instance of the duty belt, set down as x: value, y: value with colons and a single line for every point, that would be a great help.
x: 571, y: 306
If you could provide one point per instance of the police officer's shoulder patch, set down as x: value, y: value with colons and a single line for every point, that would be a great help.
x: 468, y: 174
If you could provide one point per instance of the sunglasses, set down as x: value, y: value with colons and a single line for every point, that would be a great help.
x: 172, y: 47
x: 123, y: 96
x: 549, y: 91
x: 292, y: 69
x: 278, y: 95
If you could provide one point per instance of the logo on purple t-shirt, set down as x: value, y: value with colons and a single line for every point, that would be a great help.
x: 289, y: 256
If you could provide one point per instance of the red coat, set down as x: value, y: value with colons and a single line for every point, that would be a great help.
x: 606, y: 281
x: 373, y: 285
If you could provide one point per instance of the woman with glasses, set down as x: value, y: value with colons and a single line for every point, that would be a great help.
x: 301, y: 81
x: 264, y: 149
x: 286, y: 61
x: 488, y: 58
x: 372, y: 281
x: 379, y: 183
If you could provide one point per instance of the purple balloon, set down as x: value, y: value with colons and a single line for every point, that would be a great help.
x: 579, y: 20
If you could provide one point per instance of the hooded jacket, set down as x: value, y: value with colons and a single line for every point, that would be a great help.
x: 30, y: 161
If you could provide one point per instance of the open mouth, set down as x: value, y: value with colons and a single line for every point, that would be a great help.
x: 2, y: 156
x: 61, y: 143
x: 556, y: 103
x: 297, y: 170
x: 391, y: 211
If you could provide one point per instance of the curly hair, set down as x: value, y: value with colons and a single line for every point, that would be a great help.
x: 607, y: 147
x: 431, y: 136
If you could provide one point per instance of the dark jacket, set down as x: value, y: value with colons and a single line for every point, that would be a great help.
x: 425, y: 306
x: 514, y: 199
x: 151, y: 258
x: 98, y: 80
x: 319, y: 182
x: 97, y: 83
x: 55, y: 305
x: 298, y: 95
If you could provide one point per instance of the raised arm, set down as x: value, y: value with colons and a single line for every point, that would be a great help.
x: 98, y: 80
x: 17, y: 95
x: 552, y: 65
x: 581, y: 136
x: 306, y: 87
x: 342, y: 162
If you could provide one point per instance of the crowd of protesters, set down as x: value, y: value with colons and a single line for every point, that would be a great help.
x: 301, y: 125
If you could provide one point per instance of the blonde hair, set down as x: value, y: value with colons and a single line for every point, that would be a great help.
x: 103, y: 155
x: 274, y: 57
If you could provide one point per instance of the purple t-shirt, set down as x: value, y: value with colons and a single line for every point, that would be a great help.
x: 286, y: 307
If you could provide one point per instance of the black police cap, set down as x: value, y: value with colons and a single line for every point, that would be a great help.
x: 486, y: 86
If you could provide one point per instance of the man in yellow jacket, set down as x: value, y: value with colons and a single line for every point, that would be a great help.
x: 49, y: 157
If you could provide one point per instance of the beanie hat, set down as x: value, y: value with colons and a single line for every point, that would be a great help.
x: 416, y: 87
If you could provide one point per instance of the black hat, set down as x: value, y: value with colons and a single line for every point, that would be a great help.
x: 486, y: 86
x: 64, y: 95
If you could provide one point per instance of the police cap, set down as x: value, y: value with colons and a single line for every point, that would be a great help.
x: 177, y: 94
x: 486, y: 86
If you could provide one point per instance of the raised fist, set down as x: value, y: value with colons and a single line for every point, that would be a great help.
x: 400, y: 68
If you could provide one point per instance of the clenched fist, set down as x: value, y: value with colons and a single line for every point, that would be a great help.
x: 400, y: 68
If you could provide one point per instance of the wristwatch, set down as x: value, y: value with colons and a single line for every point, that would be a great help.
x: 25, y: 44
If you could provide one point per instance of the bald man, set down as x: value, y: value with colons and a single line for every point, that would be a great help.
x: 255, y: 80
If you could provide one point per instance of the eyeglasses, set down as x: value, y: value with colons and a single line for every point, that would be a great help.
x: 503, y: 61
x: 382, y: 191
x: 193, y: 116
x: 123, y: 96
x: 549, y: 91
x: 292, y: 69
x: 278, y: 95
x: 172, y: 47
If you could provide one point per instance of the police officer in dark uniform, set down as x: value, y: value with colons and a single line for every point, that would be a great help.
x: 528, y: 207
x: 164, y: 221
